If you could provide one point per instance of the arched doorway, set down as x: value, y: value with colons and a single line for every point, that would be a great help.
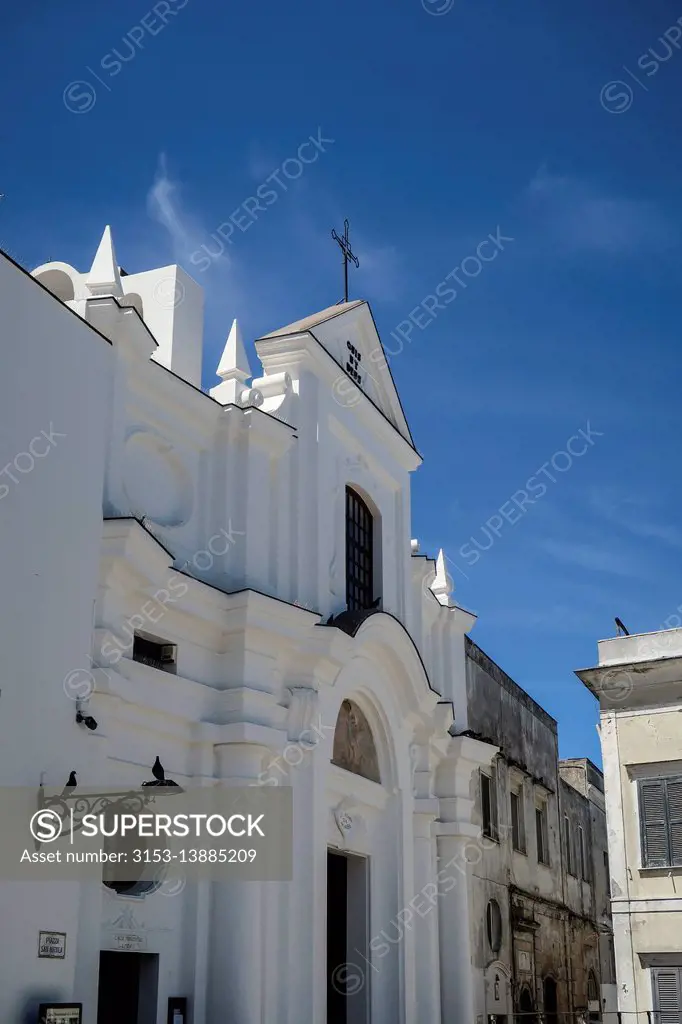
x: 348, y: 879
x: 525, y: 1013
x: 498, y: 1007
x: 550, y: 1001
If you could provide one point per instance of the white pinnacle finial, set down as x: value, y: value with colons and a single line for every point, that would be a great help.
x: 104, y: 277
x: 234, y: 364
x: 442, y: 585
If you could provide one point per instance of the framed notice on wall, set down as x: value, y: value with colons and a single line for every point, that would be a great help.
x: 60, y: 1013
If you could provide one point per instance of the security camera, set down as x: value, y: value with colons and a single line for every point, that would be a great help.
x: 87, y: 720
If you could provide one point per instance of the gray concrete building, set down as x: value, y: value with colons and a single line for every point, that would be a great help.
x: 541, y: 928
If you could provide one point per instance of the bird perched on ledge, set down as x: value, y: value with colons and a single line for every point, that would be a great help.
x: 70, y: 785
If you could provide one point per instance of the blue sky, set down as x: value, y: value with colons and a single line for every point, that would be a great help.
x: 449, y: 120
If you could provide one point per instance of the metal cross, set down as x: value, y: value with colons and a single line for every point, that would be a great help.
x: 344, y: 245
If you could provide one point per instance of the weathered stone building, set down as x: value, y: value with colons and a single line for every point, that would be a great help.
x: 541, y: 932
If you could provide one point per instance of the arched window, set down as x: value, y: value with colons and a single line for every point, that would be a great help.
x: 354, y: 747
x: 526, y: 1009
x: 593, y: 1001
x: 359, y: 553
x: 494, y: 925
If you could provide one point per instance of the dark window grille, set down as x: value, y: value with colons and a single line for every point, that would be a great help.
x: 359, y: 553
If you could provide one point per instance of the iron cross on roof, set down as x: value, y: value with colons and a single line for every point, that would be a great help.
x: 344, y: 245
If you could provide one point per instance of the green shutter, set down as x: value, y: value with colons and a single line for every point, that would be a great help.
x: 654, y: 824
x: 667, y: 995
x: 674, y: 787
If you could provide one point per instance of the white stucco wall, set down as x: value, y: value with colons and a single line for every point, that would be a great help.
x: 243, y: 524
x: 55, y: 382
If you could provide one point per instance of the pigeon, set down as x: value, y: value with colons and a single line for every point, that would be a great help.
x: 157, y: 770
x: 70, y: 785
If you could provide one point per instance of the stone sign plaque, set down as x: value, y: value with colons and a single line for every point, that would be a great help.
x: 52, y: 945
x: 60, y: 1013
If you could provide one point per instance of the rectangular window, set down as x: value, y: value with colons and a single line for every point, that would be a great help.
x: 660, y: 812
x: 567, y: 845
x: 517, y: 822
x: 667, y: 990
x: 154, y: 652
x: 582, y: 854
x: 489, y: 806
x: 607, y: 876
x: 541, y: 834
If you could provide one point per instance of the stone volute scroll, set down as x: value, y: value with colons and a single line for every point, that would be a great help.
x: 354, y: 747
x: 302, y: 714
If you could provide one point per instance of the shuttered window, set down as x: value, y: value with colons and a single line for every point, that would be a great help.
x: 568, y: 845
x: 541, y: 834
x: 517, y: 822
x: 660, y: 811
x: 667, y: 987
x: 582, y: 853
x: 489, y: 805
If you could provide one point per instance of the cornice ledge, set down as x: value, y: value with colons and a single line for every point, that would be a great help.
x: 475, y: 752
x: 457, y: 829
x: 251, y: 733
x: 268, y: 431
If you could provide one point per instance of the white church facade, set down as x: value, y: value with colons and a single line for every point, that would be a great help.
x: 227, y: 581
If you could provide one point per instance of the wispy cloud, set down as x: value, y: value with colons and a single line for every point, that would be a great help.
x: 380, y: 272
x: 593, y: 557
x: 580, y: 217
x: 380, y: 276
x: 635, y: 513
x: 165, y: 205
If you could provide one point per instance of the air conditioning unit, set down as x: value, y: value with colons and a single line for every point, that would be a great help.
x: 168, y: 652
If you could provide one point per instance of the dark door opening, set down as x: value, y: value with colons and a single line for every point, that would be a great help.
x: 128, y: 987
x: 347, y: 938
x: 337, y: 937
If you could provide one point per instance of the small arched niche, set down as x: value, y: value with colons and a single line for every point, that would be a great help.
x: 135, y: 300
x: 354, y: 746
x: 57, y: 281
